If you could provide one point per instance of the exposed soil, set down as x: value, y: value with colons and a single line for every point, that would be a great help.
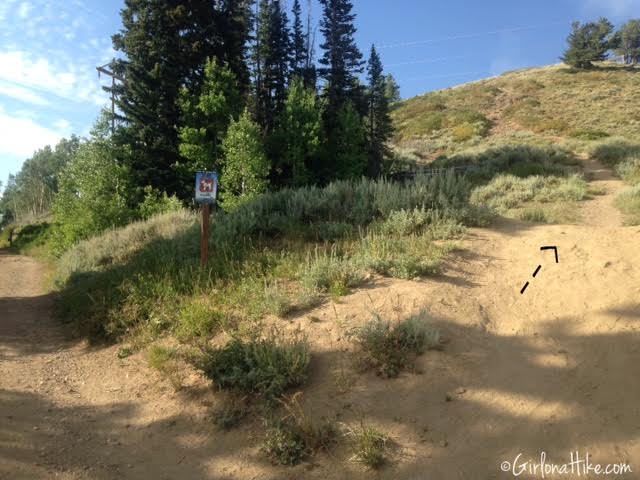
x: 554, y: 369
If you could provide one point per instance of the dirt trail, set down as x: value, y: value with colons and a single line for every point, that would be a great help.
x: 554, y: 369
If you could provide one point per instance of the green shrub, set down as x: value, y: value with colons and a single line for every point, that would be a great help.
x: 506, y: 192
x: 198, y: 318
x: 232, y: 412
x: 388, y: 347
x: 464, y: 132
x: 329, y: 272
x: 533, y: 214
x: 401, y: 257
x: 293, y: 436
x: 265, y: 366
x: 628, y: 201
x: 165, y: 361
x: 92, y: 195
x: 370, y: 445
x: 521, y: 161
x: 629, y: 169
x: 283, y: 444
x: 158, y: 203
x: 615, y: 150
x: 587, y: 134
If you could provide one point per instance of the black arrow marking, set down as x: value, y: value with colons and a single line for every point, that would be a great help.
x: 555, y: 249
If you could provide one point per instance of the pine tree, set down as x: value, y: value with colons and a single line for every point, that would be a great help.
x: 153, y: 70
x: 341, y: 61
x: 234, y: 27
x: 245, y: 167
x: 379, y: 126
x: 206, y: 118
x: 628, y: 42
x: 341, y: 64
x: 300, y: 130
x: 392, y: 89
x: 588, y: 43
x: 298, y: 42
x: 350, y: 152
x: 272, y: 54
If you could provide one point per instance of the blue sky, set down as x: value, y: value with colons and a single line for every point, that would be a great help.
x: 49, y: 49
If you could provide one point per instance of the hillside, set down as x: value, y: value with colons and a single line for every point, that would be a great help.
x: 535, y: 106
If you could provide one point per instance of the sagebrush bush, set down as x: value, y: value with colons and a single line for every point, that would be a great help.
x: 370, y: 446
x: 629, y: 169
x: 388, y: 347
x: 614, y: 150
x: 507, y: 192
x: 265, y: 366
x: 520, y: 160
x: 401, y: 257
x: 328, y: 271
x: 628, y: 201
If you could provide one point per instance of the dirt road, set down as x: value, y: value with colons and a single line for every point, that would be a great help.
x: 554, y: 369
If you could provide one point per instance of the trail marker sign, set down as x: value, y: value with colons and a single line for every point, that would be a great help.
x: 206, y: 187
x: 206, y: 193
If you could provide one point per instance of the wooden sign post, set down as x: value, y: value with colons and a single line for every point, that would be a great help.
x: 204, y: 235
x: 206, y: 193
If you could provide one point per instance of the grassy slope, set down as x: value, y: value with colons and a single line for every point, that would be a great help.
x: 533, y: 106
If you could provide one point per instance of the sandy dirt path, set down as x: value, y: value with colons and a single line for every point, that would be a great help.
x: 553, y: 370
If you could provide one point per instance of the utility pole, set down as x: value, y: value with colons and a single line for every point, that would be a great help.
x: 107, y: 70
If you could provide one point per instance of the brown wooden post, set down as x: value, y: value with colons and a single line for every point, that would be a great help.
x: 204, y: 235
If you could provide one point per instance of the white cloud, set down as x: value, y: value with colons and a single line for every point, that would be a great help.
x: 22, y: 136
x: 62, y: 125
x: 24, y: 9
x: 23, y: 94
x: 76, y: 83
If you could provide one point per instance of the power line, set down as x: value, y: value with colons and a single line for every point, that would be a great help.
x: 472, y: 35
x: 448, y: 75
x: 428, y: 60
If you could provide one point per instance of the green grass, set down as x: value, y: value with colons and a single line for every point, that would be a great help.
x: 165, y: 361
x: 370, y: 446
x: 628, y: 201
x: 536, y: 198
x: 388, y: 347
x: 629, y: 169
x: 265, y: 366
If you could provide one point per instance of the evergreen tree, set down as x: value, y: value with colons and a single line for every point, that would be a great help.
x: 341, y: 61
x: 153, y: 70
x: 245, y: 168
x: 392, y: 89
x: 272, y: 53
x: 350, y: 149
x: 628, y: 42
x: 234, y: 27
x: 379, y: 126
x: 588, y: 43
x: 341, y: 64
x: 206, y: 118
x: 298, y: 42
x: 300, y: 130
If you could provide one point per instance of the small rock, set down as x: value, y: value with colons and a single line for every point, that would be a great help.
x: 36, y: 428
x: 444, y: 443
x: 461, y: 391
